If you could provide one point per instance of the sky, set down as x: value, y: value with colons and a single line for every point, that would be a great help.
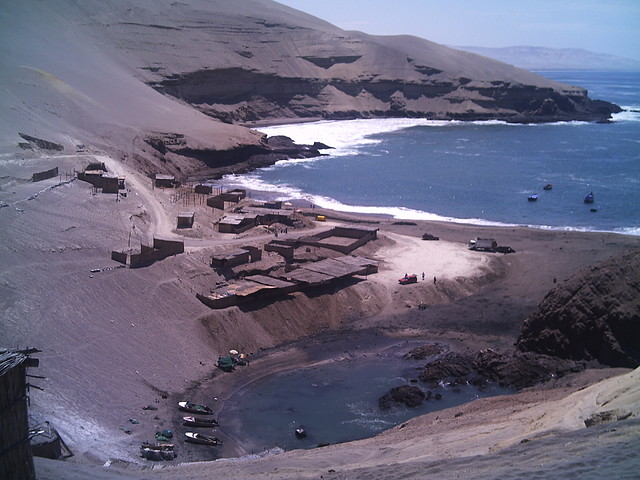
x: 601, y: 26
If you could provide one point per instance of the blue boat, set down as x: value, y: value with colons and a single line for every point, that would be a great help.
x: 533, y: 198
x: 589, y: 198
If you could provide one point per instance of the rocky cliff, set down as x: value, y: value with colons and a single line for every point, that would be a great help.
x: 165, y: 85
x: 257, y: 60
x: 593, y: 316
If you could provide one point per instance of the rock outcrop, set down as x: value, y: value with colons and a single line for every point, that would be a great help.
x: 407, y: 395
x: 590, y: 320
x: 592, y: 316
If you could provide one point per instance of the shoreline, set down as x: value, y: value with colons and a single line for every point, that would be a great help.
x: 156, y: 338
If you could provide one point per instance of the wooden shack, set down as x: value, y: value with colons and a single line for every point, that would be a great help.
x: 16, y: 459
x: 237, y: 223
x: 203, y: 189
x: 344, y: 239
x: 164, y: 181
x: 186, y: 219
x: 232, y: 196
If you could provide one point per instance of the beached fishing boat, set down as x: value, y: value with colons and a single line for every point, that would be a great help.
x: 200, y: 422
x: 194, y: 408
x: 589, y: 198
x: 157, y: 451
x: 194, y: 437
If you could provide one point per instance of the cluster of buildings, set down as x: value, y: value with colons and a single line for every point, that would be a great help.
x: 295, y: 276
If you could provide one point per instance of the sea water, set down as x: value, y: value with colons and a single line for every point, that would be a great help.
x: 334, y: 402
x: 475, y: 172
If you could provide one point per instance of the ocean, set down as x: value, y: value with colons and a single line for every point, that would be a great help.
x: 475, y: 172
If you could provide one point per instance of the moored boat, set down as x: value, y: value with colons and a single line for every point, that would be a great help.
x: 300, y: 432
x: 200, y: 422
x: 589, y: 198
x: 194, y: 408
x: 533, y: 198
x: 194, y: 437
x: 548, y: 186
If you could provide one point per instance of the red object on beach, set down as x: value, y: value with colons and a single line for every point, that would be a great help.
x: 408, y: 279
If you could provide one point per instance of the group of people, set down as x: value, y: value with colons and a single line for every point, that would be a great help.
x: 435, y: 280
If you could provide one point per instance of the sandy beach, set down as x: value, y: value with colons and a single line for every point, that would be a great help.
x: 115, y: 340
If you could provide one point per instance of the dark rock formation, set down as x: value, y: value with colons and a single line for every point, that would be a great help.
x: 590, y: 320
x: 517, y: 370
x: 406, y: 394
x: 425, y: 351
x: 593, y: 316
x: 170, y: 149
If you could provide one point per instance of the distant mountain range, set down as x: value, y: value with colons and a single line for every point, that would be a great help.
x: 541, y: 58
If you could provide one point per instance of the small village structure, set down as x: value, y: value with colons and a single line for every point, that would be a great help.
x: 285, y: 247
x: 237, y: 223
x: 165, y: 181
x: 107, y: 182
x: 233, y: 196
x: 147, y: 255
x: 344, y: 239
x: 296, y: 277
x: 203, y: 189
x: 186, y: 219
x: 258, y: 287
x: 238, y: 257
x: 16, y: 458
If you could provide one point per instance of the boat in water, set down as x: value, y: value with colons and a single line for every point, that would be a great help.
x: 548, y: 186
x: 589, y: 198
x: 533, y: 198
x: 194, y: 437
x: 194, y: 408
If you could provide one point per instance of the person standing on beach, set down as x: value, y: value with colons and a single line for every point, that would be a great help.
x: 434, y: 280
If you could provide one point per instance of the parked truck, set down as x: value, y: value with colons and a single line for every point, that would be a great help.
x: 483, y: 244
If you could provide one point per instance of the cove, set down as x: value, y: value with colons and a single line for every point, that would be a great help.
x: 335, y: 401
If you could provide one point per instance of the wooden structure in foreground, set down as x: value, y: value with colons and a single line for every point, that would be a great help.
x: 16, y: 459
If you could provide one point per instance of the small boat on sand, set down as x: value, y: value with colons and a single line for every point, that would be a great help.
x: 194, y: 408
x: 157, y: 451
x: 589, y: 198
x: 533, y: 198
x: 200, y: 422
x: 194, y: 437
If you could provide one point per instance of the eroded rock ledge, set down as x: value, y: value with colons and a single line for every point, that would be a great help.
x: 177, y: 156
x: 237, y: 95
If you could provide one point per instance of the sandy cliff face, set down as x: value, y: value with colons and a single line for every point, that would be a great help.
x: 114, y: 74
x: 595, y: 315
x: 262, y: 61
